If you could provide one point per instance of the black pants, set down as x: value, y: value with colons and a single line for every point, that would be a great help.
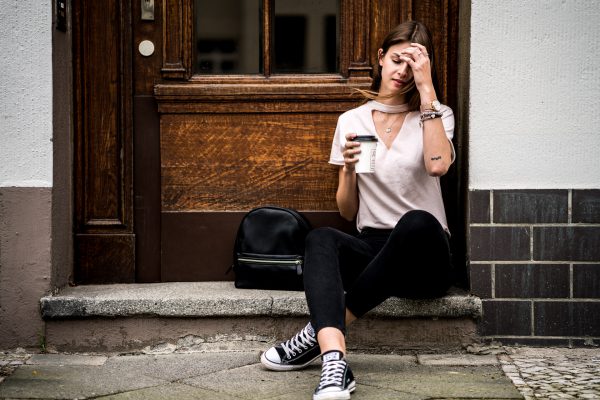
x: 360, y: 272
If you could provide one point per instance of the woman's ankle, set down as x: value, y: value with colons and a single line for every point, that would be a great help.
x: 331, y: 339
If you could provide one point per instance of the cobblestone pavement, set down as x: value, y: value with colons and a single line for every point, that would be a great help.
x: 538, y: 373
x: 554, y: 373
x: 11, y: 360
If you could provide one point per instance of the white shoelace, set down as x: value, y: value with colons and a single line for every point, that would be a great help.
x: 302, y: 340
x: 332, y: 374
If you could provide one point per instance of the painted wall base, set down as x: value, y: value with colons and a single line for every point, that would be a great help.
x: 25, y: 263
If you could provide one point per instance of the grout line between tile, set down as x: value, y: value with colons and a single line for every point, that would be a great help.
x: 531, y: 243
x: 546, y: 299
x: 571, y: 280
x: 570, y: 207
x: 563, y: 262
x: 532, y: 318
x: 491, y: 206
x: 538, y: 225
x: 493, y: 276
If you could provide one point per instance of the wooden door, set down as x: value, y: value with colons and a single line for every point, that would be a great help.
x: 103, y: 152
x: 209, y: 147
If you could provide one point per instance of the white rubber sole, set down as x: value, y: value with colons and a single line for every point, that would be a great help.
x: 341, y: 395
x: 279, y: 367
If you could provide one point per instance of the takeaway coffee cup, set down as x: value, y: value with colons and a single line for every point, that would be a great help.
x: 366, y: 157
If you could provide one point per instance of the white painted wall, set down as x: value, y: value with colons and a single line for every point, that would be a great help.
x: 535, y: 94
x: 26, y: 93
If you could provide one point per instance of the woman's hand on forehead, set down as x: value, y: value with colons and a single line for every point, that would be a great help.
x: 417, y: 57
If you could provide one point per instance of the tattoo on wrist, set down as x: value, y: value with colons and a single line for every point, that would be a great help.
x: 436, y: 158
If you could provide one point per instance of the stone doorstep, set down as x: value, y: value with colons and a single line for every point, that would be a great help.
x: 222, y: 299
x: 209, y: 316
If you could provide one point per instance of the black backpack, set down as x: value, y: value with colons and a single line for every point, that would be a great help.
x: 269, y: 249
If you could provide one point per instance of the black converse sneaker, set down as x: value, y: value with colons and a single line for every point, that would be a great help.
x: 337, y: 380
x: 293, y: 354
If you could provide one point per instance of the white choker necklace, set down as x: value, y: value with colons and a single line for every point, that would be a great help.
x: 387, y: 108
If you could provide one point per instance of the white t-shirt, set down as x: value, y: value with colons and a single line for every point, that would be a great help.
x: 400, y: 182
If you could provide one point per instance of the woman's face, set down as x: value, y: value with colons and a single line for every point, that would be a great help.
x: 396, y: 74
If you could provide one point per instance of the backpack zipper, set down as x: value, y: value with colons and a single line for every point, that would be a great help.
x: 270, y: 261
x: 297, y: 262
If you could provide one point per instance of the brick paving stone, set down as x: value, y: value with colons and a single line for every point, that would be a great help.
x: 554, y: 373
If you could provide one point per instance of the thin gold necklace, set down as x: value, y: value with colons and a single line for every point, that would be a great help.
x: 389, y: 128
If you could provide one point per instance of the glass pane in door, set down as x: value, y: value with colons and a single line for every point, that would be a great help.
x: 306, y: 36
x: 227, y: 36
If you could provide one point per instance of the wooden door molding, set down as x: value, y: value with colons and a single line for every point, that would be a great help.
x: 177, y: 41
x: 363, y: 25
x: 104, y: 240
x: 355, y: 45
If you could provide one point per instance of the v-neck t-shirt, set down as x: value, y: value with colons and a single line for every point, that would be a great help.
x: 400, y: 182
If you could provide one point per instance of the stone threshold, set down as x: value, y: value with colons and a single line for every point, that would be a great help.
x: 222, y: 299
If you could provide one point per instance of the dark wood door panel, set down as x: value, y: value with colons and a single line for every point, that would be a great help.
x: 104, y: 258
x: 232, y: 162
x: 147, y: 189
x: 103, y: 128
x: 198, y: 246
x: 104, y: 240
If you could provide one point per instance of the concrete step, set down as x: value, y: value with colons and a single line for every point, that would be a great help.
x: 208, y: 315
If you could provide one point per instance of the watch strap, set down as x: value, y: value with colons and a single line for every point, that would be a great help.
x: 431, y: 106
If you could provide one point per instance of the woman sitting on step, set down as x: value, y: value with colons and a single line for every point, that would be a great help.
x: 402, y: 247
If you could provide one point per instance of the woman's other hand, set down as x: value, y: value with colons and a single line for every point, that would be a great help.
x: 351, y: 150
x: 347, y: 193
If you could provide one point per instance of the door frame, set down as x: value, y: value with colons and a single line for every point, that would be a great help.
x: 126, y: 248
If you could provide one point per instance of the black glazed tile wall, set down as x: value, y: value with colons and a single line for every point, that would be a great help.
x: 586, y: 281
x: 586, y: 206
x: 500, y: 243
x: 575, y: 318
x: 566, y: 243
x: 527, y: 206
x: 506, y: 318
x: 532, y: 281
x: 479, y: 206
x: 535, y: 263
x: 480, y: 276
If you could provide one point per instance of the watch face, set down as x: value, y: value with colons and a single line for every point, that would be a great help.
x: 436, y: 105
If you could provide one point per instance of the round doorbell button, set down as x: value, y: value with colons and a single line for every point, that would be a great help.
x: 146, y: 48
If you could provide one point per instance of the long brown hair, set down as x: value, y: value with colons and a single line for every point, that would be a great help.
x: 406, y: 32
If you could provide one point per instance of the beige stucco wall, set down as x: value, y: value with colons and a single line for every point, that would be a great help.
x: 534, y: 92
x: 26, y: 168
